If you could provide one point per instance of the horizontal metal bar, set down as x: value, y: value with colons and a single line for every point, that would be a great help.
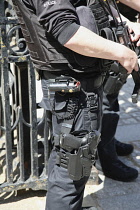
x: 8, y: 21
x: 15, y: 59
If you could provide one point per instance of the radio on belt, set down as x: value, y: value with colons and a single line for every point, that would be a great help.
x: 64, y: 84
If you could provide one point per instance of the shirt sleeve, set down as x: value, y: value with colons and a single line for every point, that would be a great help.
x: 58, y: 17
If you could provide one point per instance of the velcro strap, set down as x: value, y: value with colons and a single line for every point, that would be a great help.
x: 62, y: 159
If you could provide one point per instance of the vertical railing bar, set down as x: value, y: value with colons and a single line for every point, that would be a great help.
x: 21, y: 146
x: 33, y: 121
x: 12, y: 97
x: 12, y: 101
x: 6, y: 104
x: 15, y: 86
x: 15, y: 96
x: 20, y: 129
x: 46, y: 143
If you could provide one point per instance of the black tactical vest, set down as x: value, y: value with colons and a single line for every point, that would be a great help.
x: 46, y: 51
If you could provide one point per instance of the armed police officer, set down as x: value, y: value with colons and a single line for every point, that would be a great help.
x: 70, y: 54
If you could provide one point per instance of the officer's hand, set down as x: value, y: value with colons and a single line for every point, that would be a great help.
x: 128, y: 59
x: 134, y: 29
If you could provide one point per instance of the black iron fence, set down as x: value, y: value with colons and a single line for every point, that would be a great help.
x: 23, y: 153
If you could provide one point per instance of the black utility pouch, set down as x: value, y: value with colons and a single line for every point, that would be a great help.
x: 114, y: 83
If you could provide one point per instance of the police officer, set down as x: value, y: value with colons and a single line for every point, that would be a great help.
x: 110, y: 148
x: 69, y: 54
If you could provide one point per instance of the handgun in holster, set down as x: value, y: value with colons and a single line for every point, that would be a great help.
x: 80, y: 153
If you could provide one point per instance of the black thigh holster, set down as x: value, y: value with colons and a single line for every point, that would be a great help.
x: 77, y: 154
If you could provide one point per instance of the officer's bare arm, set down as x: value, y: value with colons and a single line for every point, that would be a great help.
x: 87, y: 43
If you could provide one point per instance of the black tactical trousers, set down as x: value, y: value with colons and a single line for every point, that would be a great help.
x: 110, y: 118
x: 63, y: 192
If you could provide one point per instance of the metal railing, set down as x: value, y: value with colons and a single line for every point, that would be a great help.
x: 23, y: 156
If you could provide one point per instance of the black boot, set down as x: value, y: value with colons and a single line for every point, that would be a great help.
x: 112, y: 167
x: 123, y: 149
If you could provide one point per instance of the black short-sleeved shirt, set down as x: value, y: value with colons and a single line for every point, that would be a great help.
x: 127, y: 12
x: 58, y: 17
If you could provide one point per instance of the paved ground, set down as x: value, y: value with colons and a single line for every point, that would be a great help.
x: 107, y: 194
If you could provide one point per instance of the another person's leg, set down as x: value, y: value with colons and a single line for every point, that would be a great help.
x: 109, y: 148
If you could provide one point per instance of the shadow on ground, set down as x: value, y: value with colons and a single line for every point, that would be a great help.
x: 14, y: 196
